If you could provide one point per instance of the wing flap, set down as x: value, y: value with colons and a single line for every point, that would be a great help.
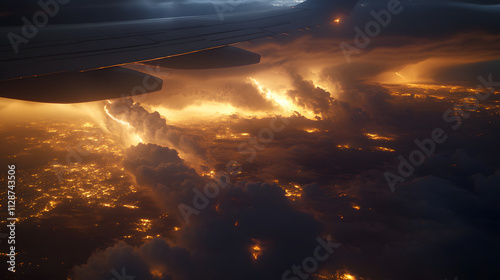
x: 75, y: 87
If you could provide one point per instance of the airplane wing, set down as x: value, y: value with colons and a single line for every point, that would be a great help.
x: 83, y: 47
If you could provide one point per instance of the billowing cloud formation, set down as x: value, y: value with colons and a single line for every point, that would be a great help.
x: 180, y: 93
x: 146, y: 262
x: 247, y: 215
x: 441, y: 225
x: 217, y: 243
x: 154, y: 129
x: 167, y: 175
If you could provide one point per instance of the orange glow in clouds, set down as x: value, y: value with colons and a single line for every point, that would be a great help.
x: 201, y: 111
x: 137, y: 139
x: 283, y: 101
x: 348, y: 277
x: 256, y: 249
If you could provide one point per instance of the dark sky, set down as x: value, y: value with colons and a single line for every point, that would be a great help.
x: 461, y: 13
